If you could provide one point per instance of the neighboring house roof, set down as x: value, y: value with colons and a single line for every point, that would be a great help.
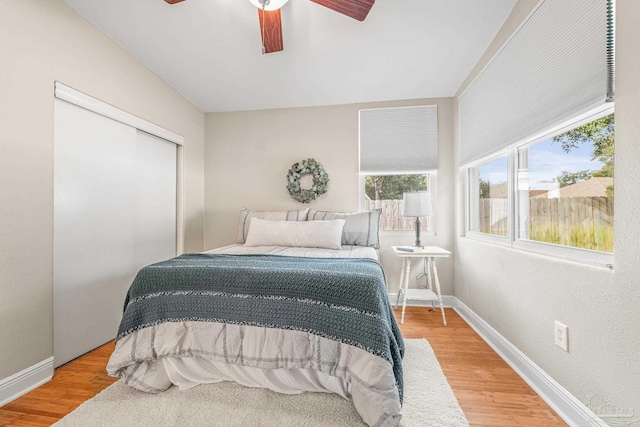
x: 594, y: 187
x: 534, y: 193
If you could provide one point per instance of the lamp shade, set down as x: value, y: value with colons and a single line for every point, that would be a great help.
x: 269, y: 4
x: 417, y: 204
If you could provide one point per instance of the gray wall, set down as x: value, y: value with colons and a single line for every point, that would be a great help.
x: 248, y: 153
x: 521, y: 294
x: 42, y: 41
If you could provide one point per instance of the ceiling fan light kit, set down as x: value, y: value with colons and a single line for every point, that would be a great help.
x: 271, y: 21
x: 268, y: 5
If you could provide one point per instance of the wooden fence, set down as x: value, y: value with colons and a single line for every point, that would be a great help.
x: 493, y: 214
x: 552, y: 220
x: 557, y: 220
x: 392, y: 218
x: 570, y: 211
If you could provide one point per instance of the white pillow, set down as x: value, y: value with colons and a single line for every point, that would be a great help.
x: 307, y: 234
x: 246, y: 215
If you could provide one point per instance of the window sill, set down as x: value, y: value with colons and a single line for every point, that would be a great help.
x: 584, y: 256
x: 489, y: 238
x: 596, y: 259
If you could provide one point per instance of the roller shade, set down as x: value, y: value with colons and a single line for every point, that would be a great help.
x: 399, y: 139
x: 559, y: 63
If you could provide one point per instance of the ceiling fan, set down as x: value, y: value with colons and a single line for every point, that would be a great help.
x: 271, y: 23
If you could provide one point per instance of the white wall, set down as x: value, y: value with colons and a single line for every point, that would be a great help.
x: 248, y: 153
x: 42, y: 41
x: 521, y: 294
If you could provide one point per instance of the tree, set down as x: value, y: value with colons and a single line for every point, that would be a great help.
x: 569, y: 178
x: 391, y: 187
x: 600, y: 133
x: 485, y: 189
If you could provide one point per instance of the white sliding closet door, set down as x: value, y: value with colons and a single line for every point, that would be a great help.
x: 114, y: 212
x: 94, y: 159
x: 155, y: 200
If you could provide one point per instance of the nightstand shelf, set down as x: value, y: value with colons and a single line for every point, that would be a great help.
x: 421, y: 295
x: 428, y: 254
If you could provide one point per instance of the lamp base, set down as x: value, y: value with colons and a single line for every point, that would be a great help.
x: 418, y: 244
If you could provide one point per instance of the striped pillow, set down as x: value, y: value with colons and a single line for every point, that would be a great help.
x: 246, y: 215
x: 360, y: 229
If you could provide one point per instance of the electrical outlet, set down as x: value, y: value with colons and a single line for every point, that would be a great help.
x: 561, y: 334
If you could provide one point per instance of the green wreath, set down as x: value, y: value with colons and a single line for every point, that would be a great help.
x: 320, y: 180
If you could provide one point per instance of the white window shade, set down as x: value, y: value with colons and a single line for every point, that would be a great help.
x: 399, y: 139
x: 553, y: 68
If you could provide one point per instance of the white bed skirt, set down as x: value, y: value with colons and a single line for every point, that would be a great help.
x: 191, y: 353
x: 190, y: 372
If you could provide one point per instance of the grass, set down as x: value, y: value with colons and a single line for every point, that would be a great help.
x: 588, y: 236
x: 496, y: 231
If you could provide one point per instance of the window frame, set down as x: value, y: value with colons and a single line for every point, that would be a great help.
x: 472, y: 204
x: 513, y: 239
x: 431, y: 186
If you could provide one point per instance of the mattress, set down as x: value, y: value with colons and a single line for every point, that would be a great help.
x: 345, y: 252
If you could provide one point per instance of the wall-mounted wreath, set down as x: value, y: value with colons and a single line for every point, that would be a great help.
x: 320, y: 180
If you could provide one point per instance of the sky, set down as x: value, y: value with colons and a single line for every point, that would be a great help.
x: 547, y: 160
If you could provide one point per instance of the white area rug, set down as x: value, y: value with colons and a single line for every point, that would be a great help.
x: 428, y: 401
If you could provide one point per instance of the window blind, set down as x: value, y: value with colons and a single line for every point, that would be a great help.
x: 556, y: 65
x: 399, y: 139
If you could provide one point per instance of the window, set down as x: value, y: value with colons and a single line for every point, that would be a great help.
x: 562, y: 197
x: 398, y: 154
x: 489, y: 206
x: 565, y: 187
x: 544, y: 103
x: 386, y: 192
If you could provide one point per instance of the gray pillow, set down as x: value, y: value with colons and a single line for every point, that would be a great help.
x: 360, y: 229
x: 246, y: 215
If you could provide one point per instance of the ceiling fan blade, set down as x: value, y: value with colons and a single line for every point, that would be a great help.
x: 271, y: 30
x: 356, y: 9
x: 173, y: 1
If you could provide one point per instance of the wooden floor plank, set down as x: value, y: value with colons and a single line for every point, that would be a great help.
x: 488, y: 390
x: 490, y: 393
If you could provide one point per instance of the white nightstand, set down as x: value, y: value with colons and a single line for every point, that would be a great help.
x: 428, y: 254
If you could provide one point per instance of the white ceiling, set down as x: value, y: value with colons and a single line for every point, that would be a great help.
x: 210, y: 50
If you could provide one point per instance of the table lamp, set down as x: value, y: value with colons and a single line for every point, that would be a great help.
x: 417, y: 204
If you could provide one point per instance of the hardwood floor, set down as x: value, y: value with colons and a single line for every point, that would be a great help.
x: 490, y: 393
x: 72, y: 384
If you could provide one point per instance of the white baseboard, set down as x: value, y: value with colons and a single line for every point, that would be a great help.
x: 447, y: 301
x: 26, y: 380
x: 566, y: 405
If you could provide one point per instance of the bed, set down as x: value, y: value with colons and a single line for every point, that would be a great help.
x: 290, y: 319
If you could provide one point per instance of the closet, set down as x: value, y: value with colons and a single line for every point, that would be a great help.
x: 115, y: 211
